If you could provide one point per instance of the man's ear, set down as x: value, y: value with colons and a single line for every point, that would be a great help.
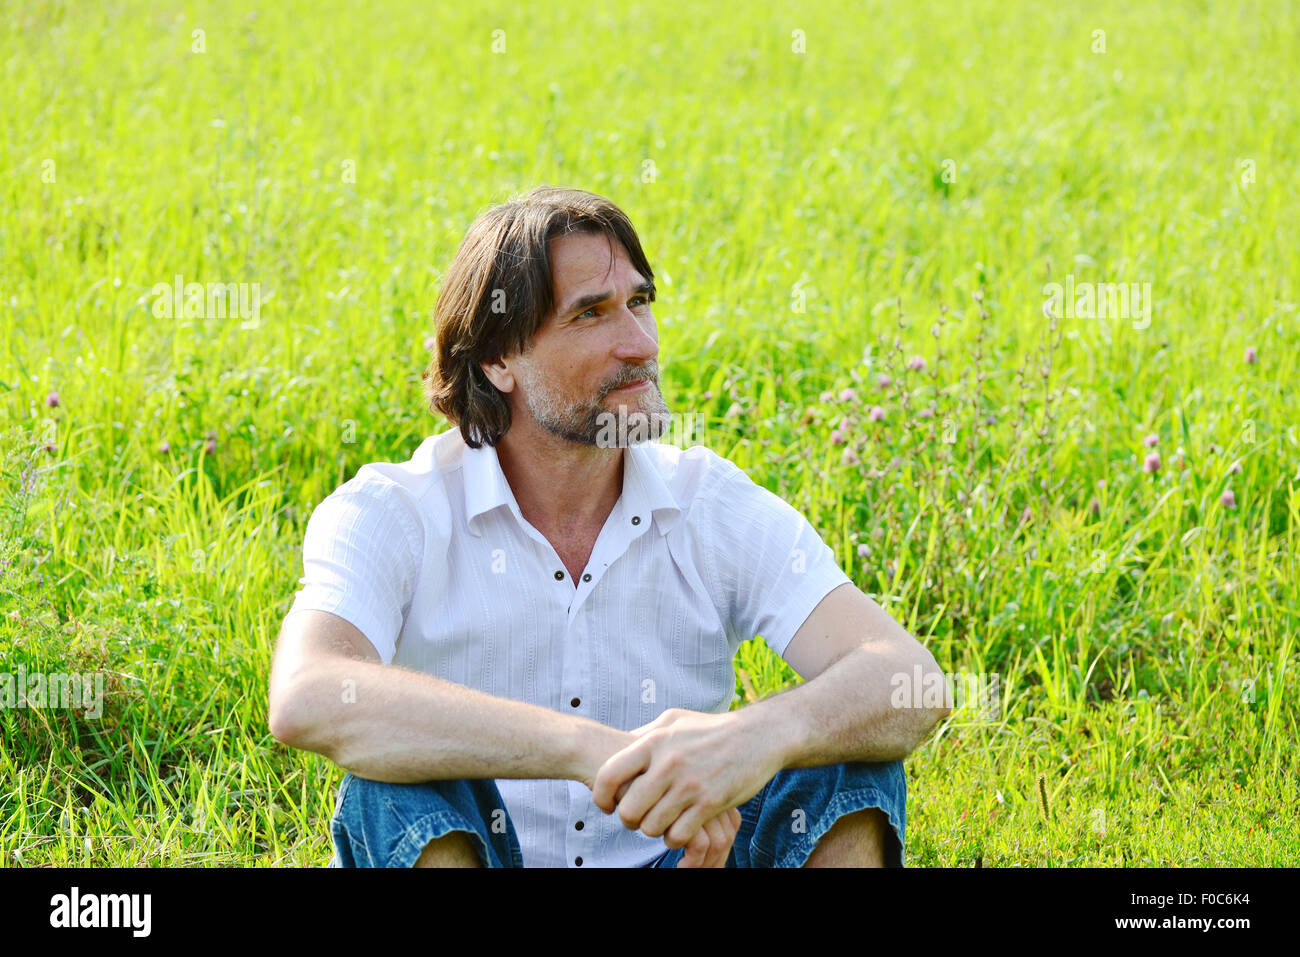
x: 499, y: 374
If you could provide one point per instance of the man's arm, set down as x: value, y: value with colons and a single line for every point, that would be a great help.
x: 852, y: 655
x: 330, y: 693
x: 684, y: 766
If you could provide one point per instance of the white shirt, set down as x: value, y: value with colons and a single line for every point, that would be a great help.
x: 432, y: 560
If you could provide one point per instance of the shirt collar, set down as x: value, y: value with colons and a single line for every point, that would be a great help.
x: 644, y: 490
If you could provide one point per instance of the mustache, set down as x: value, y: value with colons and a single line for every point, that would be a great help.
x: 648, y: 374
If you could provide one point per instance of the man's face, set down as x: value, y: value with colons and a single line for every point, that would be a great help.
x: 599, y: 337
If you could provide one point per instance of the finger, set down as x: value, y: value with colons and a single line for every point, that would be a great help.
x: 691, y: 817
x: 733, y: 822
x: 719, y: 842
x: 696, y: 850
x: 619, y: 769
x: 640, y: 795
x: 669, y: 807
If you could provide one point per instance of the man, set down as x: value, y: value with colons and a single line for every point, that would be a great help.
x: 519, y: 642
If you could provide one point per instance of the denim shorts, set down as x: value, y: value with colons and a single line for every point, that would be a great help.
x: 382, y: 824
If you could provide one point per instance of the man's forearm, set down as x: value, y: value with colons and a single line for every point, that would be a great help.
x: 844, y: 714
x: 391, y: 724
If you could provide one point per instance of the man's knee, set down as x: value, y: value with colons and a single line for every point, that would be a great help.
x: 863, y: 838
x: 454, y: 849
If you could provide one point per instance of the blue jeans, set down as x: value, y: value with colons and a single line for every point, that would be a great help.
x: 381, y: 824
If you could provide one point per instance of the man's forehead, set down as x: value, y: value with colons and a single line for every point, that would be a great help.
x: 587, y: 257
x: 578, y: 273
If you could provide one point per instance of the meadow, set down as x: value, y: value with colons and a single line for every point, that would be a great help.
x: 855, y: 211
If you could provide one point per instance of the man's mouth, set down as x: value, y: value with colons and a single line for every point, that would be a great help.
x: 633, y: 386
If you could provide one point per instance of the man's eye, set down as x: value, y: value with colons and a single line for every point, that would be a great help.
x: 582, y: 315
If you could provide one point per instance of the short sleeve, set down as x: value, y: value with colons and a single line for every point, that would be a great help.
x: 767, y: 562
x: 360, y: 558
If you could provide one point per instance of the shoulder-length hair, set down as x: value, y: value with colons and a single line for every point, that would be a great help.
x: 497, y: 293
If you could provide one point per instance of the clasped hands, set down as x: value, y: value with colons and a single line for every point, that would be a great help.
x: 682, y: 776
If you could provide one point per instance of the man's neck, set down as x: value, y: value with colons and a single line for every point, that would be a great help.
x: 562, y: 487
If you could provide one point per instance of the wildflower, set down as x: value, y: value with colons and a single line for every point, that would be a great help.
x: 1235, y: 468
x: 52, y: 400
x: 1251, y: 355
x: 927, y: 412
x: 1152, y: 464
x: 885, y: 381
x: 848, y: 395
x: 1151, y: 440
x: 864, y: 550
x: 1227, y: 499
x: 1101, y: 483
x: 210, y: 446
x: 708, y: 394
x: 876, y: 414
x: 165, y: 447
x: 734, y: 411
x: 916, y: 363
x: 1095, y: 506
x: 850, y: 457
x: 827, y: 397
x: 50, y: 447
x: 429, y: 343
x: 838, y: 437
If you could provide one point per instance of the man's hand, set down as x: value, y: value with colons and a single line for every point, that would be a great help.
x: 684, y: 773
x: 711, y: 845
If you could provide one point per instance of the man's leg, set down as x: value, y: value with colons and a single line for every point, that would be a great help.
x: 861, y: 839
x: 432, y: 823
x: 453, y: 850
x: 851, y: 814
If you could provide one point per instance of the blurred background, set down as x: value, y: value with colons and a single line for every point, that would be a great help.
x: 1002, y: 296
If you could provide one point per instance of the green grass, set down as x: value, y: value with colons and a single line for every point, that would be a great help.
x: 808, y: 237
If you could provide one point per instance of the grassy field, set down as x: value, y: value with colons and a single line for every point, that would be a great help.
x: 831, y: 194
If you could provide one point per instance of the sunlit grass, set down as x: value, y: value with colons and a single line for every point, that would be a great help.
x: 904, y: 188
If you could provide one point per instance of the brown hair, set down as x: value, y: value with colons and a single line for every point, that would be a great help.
x: 497, y: 293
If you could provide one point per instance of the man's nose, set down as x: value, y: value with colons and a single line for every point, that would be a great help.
x: 637, y: 339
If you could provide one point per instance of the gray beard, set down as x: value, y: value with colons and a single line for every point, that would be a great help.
x: 590, y: 423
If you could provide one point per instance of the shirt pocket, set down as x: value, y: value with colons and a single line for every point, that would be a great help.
x: 702, y: 677
x: 698, y: 636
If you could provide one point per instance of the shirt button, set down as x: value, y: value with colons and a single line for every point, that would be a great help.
x: 587, y: 577
x: 578, y: 826
x: 575, y: 702
x: 578, y: 861
x: 559, y: 576
x: 636, y: 519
